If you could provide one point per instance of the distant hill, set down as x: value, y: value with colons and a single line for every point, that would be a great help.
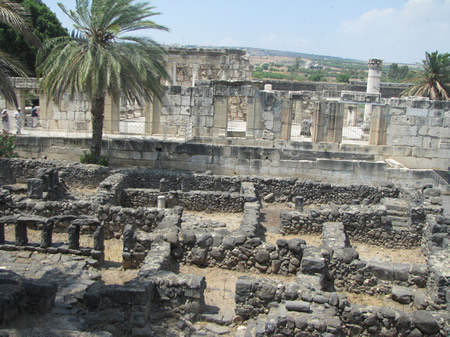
x: 271, y: 52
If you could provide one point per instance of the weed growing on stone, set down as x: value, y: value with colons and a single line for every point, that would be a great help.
x: 7, y: 145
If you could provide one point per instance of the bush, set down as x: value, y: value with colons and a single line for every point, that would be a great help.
x: 7, y: 145
x: 88, y: 157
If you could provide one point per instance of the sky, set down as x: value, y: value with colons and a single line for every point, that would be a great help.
x: 393, y: 30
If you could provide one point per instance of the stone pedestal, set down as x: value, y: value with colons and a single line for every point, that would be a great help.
x: 35, y: 188
x: 299, y: 202
x: 46, y: 235
x: 74, y: 236
x: 99, y: 238
x: 161, y: 202
x: 21, y: 234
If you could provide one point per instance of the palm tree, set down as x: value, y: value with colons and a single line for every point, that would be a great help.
x: 433, y: 80
x: 15, y: 16
x: 100, y: 58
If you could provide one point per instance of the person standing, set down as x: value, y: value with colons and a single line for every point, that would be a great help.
x: 34, y: 116
x: 5, y: 120
x: 18, y: 115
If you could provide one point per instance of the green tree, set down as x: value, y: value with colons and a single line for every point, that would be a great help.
x: 396, y: 73
x: 316, y: 75
x: 45, y: 25
x: 433, y: 80
x: 102, y: 58
x: 343, y: 78
x: 13, y: 15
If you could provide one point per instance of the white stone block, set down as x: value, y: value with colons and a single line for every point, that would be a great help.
x: 186, y: 100
x: 63, y: 115
x: 445, y: 133
x: 56, y: 115
x: 80, y: 116
x: 417, y: 112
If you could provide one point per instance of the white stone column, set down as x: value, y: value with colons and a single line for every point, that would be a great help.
x: 373, y: 87
x: 174, y: 73
x: 352, y: 115
x: 194, y: 73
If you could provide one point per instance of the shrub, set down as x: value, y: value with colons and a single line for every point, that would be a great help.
x: 88, y: 157
x: 7, y: 145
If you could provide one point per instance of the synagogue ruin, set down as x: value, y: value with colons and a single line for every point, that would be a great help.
x: 314, y: 181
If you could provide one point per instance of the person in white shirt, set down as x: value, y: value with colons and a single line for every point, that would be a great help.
x: 5, y: 120
x: 18, y: 115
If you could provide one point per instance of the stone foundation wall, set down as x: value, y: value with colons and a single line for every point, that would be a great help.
x: 194, y: 201
x: 362, y: 224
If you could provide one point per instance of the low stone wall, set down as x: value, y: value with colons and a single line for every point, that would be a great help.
x: 113, y: 218
x: 75, y: 175
x: 181, y: 181
x: 368, y: 224
x: 20, y: 295
x: 285, y: 160
x: 155, y: 291
x: 46, y: 245
x: 195, y: 201
x: 298, y: 309
x: 313, y: 192
x: 436, y: 246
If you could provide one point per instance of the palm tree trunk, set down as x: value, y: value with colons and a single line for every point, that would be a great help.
x: 98, y: 112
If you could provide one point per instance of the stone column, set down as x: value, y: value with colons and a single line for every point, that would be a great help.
x: 286, y: 119
x: 156, y: 116
x: 45, y: 109
x: 35, y: 188
x: 99, y: 238
x: 46, y: 234
x: 21, y: 234
x: 221, y: 116
x: 2, y: 232
x: 373, y: 87
x: 335, y: 122
x: 129, y: 238
x: 74, y: 236
x: 319, y: 123
x: 352, y: 115
x: 174, y: 73
x: 111, y: 122
x: 299, y: 202
x: 194, y: 74
x: 378, y: 126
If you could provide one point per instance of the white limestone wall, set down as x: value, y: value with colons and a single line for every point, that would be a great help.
x: 420, y: 130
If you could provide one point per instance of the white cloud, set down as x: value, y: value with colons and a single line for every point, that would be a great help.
x: 402, y: 34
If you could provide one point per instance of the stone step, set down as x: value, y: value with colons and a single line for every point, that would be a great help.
x: 397, y: 205
x: 396, y: 221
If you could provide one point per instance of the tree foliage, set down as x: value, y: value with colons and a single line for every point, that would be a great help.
x: 343, y: 78
x: 45, y: 25
x: 14, y: 16
x: 102, y: 57
x: 398, y: 74
x: 433, y: 80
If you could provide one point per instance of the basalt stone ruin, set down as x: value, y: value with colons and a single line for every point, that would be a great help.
x: 144, y: 208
